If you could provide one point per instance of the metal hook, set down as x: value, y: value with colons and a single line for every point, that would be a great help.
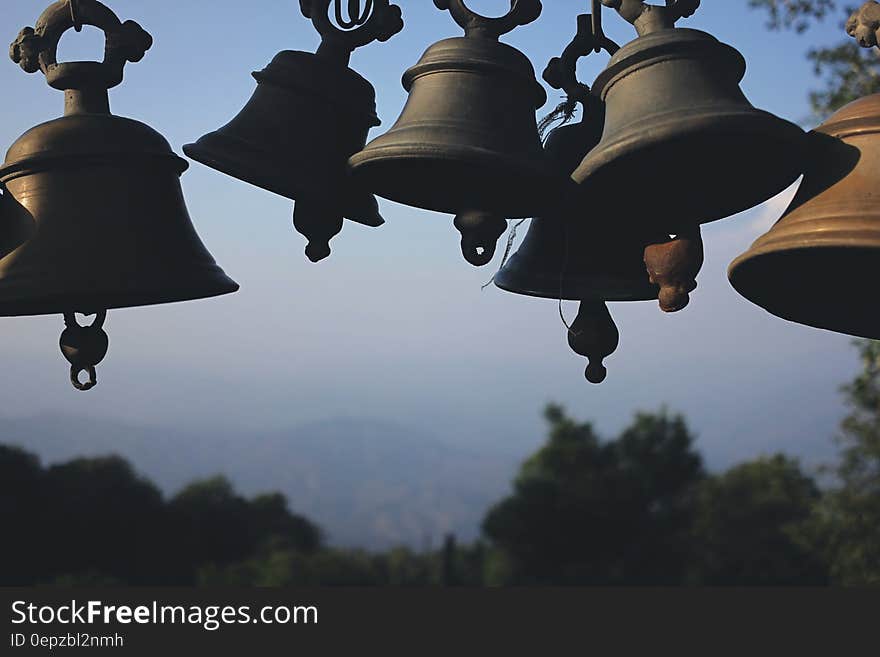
x: 74, y: 15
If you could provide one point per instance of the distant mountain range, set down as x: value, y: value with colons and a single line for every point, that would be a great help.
x: 367, y: 483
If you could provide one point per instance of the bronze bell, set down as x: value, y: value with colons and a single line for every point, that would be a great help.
x: 309, y: 113
x: 467, y: 142
x: 95, y: 202
x: 809, y: 267
x: 682, y: 145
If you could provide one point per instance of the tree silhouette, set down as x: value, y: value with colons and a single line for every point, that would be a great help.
x: 587, y: 512
x: 751, y: 527
x: 849, y: 520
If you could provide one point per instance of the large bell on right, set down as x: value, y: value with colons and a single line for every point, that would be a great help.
x: 682, y: 144
x: 813, y: 265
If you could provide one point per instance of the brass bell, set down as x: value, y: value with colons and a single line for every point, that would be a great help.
x: 309, y: 113
x: 809, y: 266
x: 682, y: 145
x: 95, y: 202
x: 467, y: 142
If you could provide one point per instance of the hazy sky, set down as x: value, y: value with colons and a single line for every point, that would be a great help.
x: 395, y: 324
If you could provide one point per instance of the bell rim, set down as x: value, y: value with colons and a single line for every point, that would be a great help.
x: 786, y: 140
x: 550, y: 287
x: 772, y: 295
x: 59, y: 303
x: 218, y: 160
x: 545, y: 186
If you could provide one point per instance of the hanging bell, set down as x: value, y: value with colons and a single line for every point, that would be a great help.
x: 566, y: 256
x: 467, y: 142
x: 309, y: 113
x: 809, y: 268
x: 682, y: 145
x: 95, y: 199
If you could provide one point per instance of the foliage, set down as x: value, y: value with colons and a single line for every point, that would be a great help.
x: 752, y: 526
x: 849, y: 520
x: 847, y: 71
x: 793, y: 14
x: 637, y: 510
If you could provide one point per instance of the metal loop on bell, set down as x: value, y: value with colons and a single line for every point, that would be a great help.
x: 356, y: 17
x: 88, y: 385
x: 522, y: 12
x: 379, y: 21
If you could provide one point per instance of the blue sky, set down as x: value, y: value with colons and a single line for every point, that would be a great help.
x: 395, y: 325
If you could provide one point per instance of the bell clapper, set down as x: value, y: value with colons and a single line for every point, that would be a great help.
x: 594, y: 335
x: 480, y: 232
x: 319, y: 223
x: 84, y: 347
x: 674, y: 266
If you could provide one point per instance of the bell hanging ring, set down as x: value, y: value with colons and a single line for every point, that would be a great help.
x: 679, y: 129
x: 811, y: 266
x: 467, y: 142
x: 98, y: 215
x: 309, y: 113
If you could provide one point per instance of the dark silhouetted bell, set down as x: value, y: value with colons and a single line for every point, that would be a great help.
x: 95, y: 199
x: 811, y: 267
x: 309, y: 113
x: 467, y: 141
x: 682, y: 145
x: 571, y: 254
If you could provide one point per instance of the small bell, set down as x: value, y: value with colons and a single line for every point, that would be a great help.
x: 679, y: 130
x: 94, y: 216
x: 467, y: 141
x: 810, y: 267
x: 309, y: 113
